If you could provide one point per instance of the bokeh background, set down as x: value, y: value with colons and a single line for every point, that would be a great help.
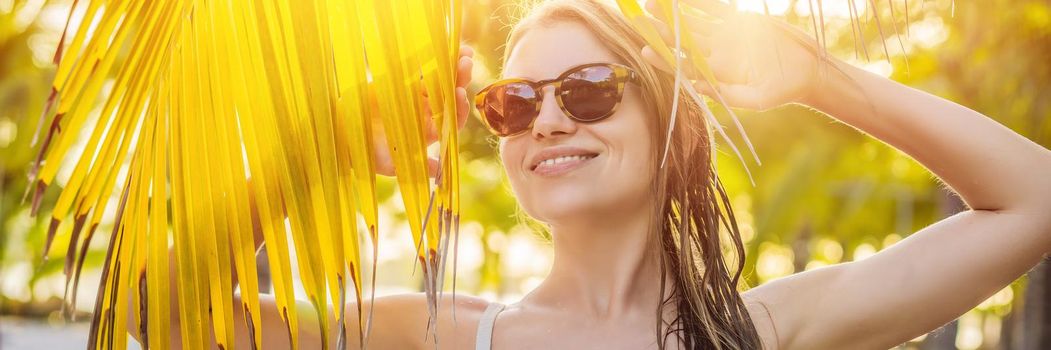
x: 825, y: 193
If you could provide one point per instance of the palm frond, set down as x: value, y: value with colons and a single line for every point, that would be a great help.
x: 220, y: 111
x: 686, y: 53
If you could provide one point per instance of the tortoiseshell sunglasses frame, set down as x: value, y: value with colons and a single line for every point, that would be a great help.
x: 621, y: 74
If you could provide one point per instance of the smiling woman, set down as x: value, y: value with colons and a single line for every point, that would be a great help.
x: 639, y: 256
x: 633, y: 242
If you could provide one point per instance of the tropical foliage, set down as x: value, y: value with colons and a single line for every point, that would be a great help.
x: 225, y: 112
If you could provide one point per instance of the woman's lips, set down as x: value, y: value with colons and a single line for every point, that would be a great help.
x: 565, y: 166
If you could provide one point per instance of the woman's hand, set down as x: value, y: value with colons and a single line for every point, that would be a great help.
x: 759, y: 62
x: 381, y: 154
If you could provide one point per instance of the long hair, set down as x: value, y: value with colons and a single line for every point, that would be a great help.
x: 691, y: 202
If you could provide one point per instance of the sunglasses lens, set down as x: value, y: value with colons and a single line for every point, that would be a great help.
x: 509, y: 108
x: 590, y: 93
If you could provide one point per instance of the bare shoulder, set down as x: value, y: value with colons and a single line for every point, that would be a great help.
x: 762, y: 319
x: 401, y: 321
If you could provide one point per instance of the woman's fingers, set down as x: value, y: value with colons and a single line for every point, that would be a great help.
x: 656, y: 60
x: 463, y: 77
x: 383, y: 163
x: 654, y: 8
x: 463, y: 70
x: 736, y: 91
x: 466, y: 50
x: 697, y: 25
x: 430, y: 128
x: 462, y: 111
x: 662, y: 29
x: 749, y: 96
x: 712, y: 7
x: 463, y: 107
x: 698, y: 30
x: 701, y: 40
x: 432, y: 167
x: 385, y: 166
x: 704, y: 36
x: 465, y: 66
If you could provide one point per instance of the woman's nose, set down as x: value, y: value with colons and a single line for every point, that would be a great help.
x: 551, y: 121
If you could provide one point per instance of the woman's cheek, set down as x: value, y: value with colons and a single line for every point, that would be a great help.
x: 512, y: 158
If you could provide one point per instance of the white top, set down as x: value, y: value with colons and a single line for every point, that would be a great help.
x: 484, y: 341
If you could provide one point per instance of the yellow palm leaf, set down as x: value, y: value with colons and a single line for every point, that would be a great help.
x: 224, y: 110
x: 687, y: 47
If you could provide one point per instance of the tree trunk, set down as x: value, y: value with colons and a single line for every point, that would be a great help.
x: 1035, y: 314
x: 945, y: 338
x: 942, y: 339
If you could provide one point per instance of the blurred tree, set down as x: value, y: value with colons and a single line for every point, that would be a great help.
x: 24, y: 83
x: 820, y: 181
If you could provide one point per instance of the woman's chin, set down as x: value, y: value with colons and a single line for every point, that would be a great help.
x: 564, y: 208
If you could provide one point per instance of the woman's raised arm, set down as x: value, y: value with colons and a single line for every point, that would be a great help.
x: 948, y: 267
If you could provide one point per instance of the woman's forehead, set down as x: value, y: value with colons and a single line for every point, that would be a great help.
x: 544, y: 52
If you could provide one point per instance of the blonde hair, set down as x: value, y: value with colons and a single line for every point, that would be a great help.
x: 692, y: 204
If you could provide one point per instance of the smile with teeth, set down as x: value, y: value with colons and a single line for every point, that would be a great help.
x: 563, y: 159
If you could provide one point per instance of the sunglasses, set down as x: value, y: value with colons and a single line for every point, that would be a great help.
x: 586, y: 93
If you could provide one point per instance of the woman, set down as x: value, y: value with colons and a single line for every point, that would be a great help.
x: 590, y: 169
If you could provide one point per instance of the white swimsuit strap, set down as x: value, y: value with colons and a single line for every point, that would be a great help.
x: 484, y: 341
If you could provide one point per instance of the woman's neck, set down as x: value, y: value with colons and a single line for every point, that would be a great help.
x: 604, y: 267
